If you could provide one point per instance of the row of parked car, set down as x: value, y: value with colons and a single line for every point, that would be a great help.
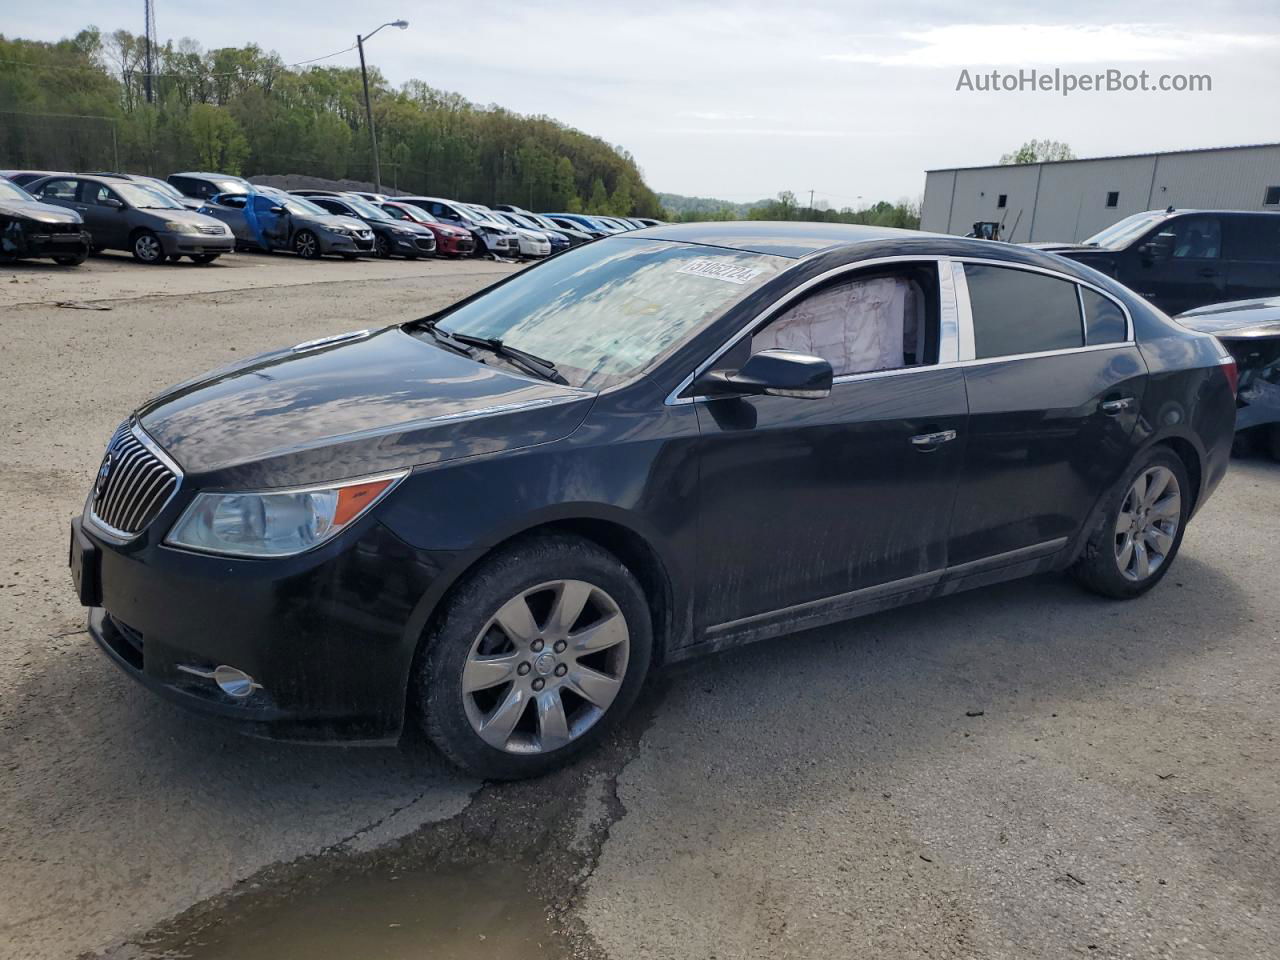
x: 201, y: 216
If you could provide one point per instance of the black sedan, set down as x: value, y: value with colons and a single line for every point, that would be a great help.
x: 29, y: 228
x: 497, y: 520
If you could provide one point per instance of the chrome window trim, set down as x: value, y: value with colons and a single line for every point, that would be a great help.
x: 950, y: 326
x: 153, y: 448
x: 1057, y: 275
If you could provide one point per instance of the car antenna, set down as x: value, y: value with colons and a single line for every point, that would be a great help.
x: 1169, y: 208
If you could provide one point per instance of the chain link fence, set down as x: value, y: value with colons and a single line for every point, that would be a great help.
x: 53, y: 141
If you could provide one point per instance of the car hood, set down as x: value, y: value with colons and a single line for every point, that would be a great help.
x: 40, y: 212
x: 350, y: 406
x: 332, y: 220
x: 448, y: 229
x: 1237, y: 319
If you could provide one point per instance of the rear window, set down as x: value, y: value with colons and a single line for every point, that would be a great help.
x: 1254, y: 238
x: 1018, y: 311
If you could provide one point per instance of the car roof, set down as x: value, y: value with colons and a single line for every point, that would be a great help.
x: 209, y: 176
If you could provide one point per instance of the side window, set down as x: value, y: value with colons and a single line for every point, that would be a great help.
x: 395, y: 212
x: 863, y: 323
x: 96, y: 192
x: 1254, y: 238
x: 59, y: 190
x: 235, y: 201
x: 327, y: 205
x: 262, y: 204
x: 1103, y: 319
x: 1019, y: 311
x: 1196, y: 238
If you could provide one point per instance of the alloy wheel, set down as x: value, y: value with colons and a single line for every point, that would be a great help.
x: 148, y: 248
x: 546, y: 667
x: 1147, y: 525
x: 305, y: 245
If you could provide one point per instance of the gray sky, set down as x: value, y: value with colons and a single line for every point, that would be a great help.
x: 742, y: 99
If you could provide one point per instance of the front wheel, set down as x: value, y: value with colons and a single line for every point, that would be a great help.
x: 146, y: 248
x: 381, y: 248
x: 1131, y: 549
x: 307, y: 245
x: 534, y: 658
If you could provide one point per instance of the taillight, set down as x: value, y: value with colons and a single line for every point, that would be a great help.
x: 1233, y: 373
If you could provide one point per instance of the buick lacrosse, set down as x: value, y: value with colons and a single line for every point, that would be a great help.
x: 493, y: 522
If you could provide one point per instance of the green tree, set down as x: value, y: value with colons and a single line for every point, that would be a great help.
x: 216, y: 138
x: 1039, y: 151
x: 598, y: 201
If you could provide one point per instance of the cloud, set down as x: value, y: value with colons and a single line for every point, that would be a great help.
x: 1019, y: 44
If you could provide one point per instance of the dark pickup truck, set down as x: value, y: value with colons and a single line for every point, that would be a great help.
x: 1183, y: 259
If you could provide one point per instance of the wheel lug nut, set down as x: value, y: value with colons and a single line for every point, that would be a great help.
x: 539, y: 684
x: 561, y: 670
x: 559, y: 647
x: 536, y: 645
x: 522, y: 669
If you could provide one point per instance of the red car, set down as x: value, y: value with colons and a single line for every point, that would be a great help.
x: 451, y: 241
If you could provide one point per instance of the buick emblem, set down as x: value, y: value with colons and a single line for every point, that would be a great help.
x: 104, y: 473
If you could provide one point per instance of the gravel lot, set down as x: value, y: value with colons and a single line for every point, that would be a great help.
x: 826, y: 795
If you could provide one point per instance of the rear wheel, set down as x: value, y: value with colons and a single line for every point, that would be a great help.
x: 1131, y: 549
x: 146, y: 248
x: 534, y: 659
x: 307, y: 245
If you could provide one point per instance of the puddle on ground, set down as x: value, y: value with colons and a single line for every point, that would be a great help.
x: 443, y: 912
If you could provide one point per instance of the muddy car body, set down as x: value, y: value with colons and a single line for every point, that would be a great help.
x: 1250, y: 330
x: 498, y: 518
x: 29, y: 228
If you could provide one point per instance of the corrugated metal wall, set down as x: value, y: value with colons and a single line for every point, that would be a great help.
x: 1068, y: 201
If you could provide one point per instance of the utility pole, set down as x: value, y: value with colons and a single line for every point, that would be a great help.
x: 368, y: 105
x: 810, y: 199
x: 150, y: 42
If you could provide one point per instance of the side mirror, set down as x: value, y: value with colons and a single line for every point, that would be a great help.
x: 113, y: 203
x: 277, y: 210
x: 1158, y: 249
x: 772, y: 373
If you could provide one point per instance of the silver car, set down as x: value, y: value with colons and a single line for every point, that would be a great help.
x: 270, y: 219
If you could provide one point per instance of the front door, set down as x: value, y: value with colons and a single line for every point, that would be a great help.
x: 104, y: 214
x: 1050, y: 416
x: 1188, y: 272
x: 808, y: 502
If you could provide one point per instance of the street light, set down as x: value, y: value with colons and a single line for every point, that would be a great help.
x: 368, y: 107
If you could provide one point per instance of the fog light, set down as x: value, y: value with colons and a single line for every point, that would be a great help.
x: 230, y: 680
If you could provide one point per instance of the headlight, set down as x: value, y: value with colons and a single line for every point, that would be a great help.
x: 276, y: 524
x: 179, y: 226
x: 401, y: 232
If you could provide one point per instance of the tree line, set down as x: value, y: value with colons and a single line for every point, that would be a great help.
x: 785, y: 206
x: 243, y: 110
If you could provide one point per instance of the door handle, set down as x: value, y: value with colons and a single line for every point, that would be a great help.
x: 1112, y: 407
x: 927, y: 441
x: 1208, y: 273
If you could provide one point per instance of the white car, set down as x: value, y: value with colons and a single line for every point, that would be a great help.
x: 533, y: 243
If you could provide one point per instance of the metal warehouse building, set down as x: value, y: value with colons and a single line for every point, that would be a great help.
x: 1074, y: 199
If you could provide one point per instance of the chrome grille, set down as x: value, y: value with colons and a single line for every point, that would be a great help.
x: 133, y: 483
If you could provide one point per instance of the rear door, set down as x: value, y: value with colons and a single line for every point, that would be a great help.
x: 1054, y: 387
x: 1252, y: 248
x: 805, y: 502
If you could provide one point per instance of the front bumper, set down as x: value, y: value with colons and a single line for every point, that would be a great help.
x: 31, y: 239
x: 342, y: 243
x: 323, y: 632
x: 195, y: 244
x: 414, y: 246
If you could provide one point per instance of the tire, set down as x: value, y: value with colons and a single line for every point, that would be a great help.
x: 175, y: 257
x: 203, y: 258
x: 1105, y: 566
x: 454, y: 701
x: 1273, y: 441
x: 73, y: 261
x: 307, y: 245
x: 145, y: 247
x: 381, y: 248
x: 350, y: 256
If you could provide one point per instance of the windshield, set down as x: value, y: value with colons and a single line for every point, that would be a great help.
x: 544, y: 222
x: 418, y: 213
x: 1121, y: 234
x: 159, y: 186
x: 11, y: 191
x: 145, y: 198
x: 366, y: 209
x: 523, y: 221
x: 300, y: 206
x: 605, y: 310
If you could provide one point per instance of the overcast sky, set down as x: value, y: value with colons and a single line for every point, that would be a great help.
x: 742, y: 99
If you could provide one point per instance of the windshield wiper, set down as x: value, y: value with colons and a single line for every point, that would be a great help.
x: 536, y: 365
x: 448, y: 339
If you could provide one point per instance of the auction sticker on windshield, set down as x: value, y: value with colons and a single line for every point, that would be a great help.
x: 720, y: 270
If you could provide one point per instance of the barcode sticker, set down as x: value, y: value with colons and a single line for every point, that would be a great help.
x: 720, y: 270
